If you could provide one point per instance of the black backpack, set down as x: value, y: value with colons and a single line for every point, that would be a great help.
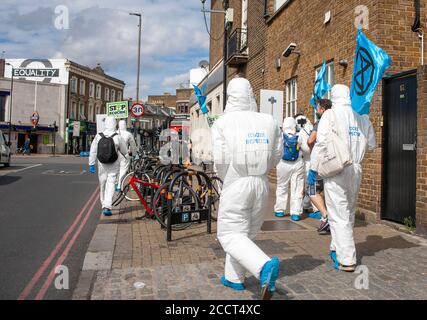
x: 107, y: 152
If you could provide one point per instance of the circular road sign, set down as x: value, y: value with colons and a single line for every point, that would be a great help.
x: 137, y: 110
x: 35, y: 118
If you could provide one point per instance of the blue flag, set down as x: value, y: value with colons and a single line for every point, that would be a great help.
x: 201, y: 98
x: 321, y: 86
x: 370, y: 64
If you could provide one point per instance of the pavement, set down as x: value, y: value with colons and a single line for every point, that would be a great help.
x: 130, y: 259
x: 46, y: 219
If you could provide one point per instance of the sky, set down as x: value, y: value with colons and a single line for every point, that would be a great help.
x: 174, y: 37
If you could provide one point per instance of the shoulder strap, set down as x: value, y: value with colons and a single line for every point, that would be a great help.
x: 115, y: 134
x: 102, y: 135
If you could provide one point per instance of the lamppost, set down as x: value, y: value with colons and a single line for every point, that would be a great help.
x: 226, y: 6
x: 10, y: 106
x: 139, y: 53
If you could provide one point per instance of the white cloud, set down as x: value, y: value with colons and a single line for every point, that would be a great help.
x: 174, y: 38
x: 176, y: 81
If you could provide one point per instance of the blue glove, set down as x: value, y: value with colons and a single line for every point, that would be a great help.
x: 92, y: 169
x: 311, y: 180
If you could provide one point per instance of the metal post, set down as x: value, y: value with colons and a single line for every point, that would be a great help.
x: 139, y: 15
x: 139, y: 58
x: 54, y: 139
x: 10, y: 109
x: 225, y: 73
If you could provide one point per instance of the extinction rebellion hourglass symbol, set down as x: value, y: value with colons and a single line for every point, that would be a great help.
x: 364, y: 74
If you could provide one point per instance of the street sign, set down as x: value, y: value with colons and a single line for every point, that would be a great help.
x: 35, y: 118
x: 76, y: 129
x: 137, y: 110
x: 118, y: 110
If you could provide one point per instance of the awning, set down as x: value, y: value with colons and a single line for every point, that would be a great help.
x: 27, y: 128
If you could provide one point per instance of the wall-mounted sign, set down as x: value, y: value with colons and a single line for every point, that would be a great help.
x: 118, y: 110
x: 272, y: 103
x: 137, y: 110
x: 41, y: 70
x: 35, y: 118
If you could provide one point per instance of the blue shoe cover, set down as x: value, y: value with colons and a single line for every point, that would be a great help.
x: 279, y: 214
x: 107, y: 212
x: 295, y: 217
x: 270, y: 273
x: 333, y: 255
x: 315, y: 215
x: 232, y: 285
x: 118, y: 188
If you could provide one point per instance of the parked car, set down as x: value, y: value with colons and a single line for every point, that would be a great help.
x: 5, y: 154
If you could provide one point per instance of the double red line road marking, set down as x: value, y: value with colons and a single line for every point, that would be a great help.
x: 30, y: 286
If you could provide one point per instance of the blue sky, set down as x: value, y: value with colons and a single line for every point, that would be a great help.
x: 174, y: 38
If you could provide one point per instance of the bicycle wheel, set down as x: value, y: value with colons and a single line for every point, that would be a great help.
x: 184, y: 199
x: 217, y: 188
x: 129, y: 192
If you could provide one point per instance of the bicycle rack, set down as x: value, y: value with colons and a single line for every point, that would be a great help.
x: 188, y: 216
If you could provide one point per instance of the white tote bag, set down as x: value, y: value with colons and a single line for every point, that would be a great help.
x: 334, y: 155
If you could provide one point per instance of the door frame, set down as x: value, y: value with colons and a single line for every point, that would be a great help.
x: 384, y: 140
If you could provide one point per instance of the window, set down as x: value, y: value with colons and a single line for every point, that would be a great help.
x: 82, y: 88
x: 98, y: 109
x: 90, y: 112
x: 82, y: 111
x: 291, y: 98
x: 98, y: 91
x: 329, y: 77
x: 2, y: 108
x: 279, y: 3
x: 91, y: 90
x: 113, y: 95
x: 119, y: 96
x: 73, y: 111
x: 244, y: 37
x: 73, y: 84
x: 107, y: 94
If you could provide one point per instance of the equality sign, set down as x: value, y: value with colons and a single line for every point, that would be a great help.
x: 118, y: 110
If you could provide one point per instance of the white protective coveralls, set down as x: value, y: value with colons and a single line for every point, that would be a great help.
x: 131, y: 145
x: 304, y: 132
x: 107, y: 173
x: 246, y: 146
x: 290, y: 172
x: 341, y: 190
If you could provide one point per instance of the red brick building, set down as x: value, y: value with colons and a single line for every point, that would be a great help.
x: 394, y: 186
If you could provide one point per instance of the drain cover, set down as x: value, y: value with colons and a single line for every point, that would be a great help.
x: 281, y: 225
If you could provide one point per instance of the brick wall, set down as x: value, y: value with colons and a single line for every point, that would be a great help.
x: 422, y: 152
x: 302, y: 22
x: 257, y: 31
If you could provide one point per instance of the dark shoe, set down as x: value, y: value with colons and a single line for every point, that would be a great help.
x: 268, y: 277
x: 324, y: 227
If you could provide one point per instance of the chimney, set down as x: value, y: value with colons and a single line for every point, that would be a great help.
x: 2, y: 66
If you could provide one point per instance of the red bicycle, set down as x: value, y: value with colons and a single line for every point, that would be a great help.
x: 154, y: 198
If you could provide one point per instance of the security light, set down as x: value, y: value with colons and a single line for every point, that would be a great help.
x: 289, y: 50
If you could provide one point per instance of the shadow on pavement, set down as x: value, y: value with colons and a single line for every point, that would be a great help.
x: 374, y: 244
x: 6, y: 180
x: 288, y: 267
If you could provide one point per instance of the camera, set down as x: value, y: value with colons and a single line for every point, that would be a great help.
x: 289, y: 50
x: 302, y: 122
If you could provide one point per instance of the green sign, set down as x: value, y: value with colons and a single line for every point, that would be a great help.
x: 118, y: 110
x: 211, y: 120
x: 45, y: 139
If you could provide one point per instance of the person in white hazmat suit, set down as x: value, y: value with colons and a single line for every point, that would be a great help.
x: 290, y: 174
x: 304, y: 129
x: 107, y: 172
x: 341, y: 190
x: 246, y: 146
x: 125, y: 160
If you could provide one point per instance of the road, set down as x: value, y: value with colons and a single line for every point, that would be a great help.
x: 49, y: 208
